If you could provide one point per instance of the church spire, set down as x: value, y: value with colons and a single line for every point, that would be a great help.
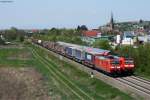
x: 112, y: 21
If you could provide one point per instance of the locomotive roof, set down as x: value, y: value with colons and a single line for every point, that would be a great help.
x: 115, y: 58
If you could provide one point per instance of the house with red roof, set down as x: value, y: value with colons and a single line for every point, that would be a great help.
x: 91, y: 33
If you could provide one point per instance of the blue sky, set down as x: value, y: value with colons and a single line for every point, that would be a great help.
x: 70, y: 13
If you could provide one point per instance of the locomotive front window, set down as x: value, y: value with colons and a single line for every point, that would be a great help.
x: 129, y: 62
x: 115, y: 62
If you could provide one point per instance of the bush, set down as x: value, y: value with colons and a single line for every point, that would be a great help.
x: 66, y: 35
x: 102, y: 44
x: 1, y: 41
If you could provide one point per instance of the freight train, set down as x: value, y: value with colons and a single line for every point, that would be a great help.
x: 95, y: 58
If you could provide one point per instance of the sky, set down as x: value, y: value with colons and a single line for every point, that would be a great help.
x: 41, y: 14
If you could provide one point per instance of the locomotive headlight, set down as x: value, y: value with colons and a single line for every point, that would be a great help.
x: 118, y: 67
x: 112, y: 67
x: 126, y: 65
x: 131, y: 65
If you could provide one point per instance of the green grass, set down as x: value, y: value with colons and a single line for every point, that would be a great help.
x: 93, y: 87
x: 10, y: 57
x: 59, y: 77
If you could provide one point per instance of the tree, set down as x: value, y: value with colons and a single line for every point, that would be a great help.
x: 102, y: 44
x: 77, y: 40
x: 66, y: 35
x: 83, y: 27
x: 10, y: 35
x: 141, y: 21
x: 78, y: 28
x: 14, y: 34
x: 21, y: 35
x: 21, y: 38
x: 2, y: 41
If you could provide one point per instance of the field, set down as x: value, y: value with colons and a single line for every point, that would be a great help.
x: 18, y: 79
x: 57, y: 79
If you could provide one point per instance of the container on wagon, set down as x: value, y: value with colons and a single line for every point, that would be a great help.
x: 91, y: 53
x: 79, y: 53
x: 96, y: 51
x: 69, y: 51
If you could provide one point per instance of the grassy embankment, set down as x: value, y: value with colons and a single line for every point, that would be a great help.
x: 68, y: 82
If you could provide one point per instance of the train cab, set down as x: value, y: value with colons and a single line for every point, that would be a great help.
x: 109, y: 64
x: 129, y: 65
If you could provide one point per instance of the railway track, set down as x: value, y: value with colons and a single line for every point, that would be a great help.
x: 61, y: 78
x: 134, y: 84
x: 141, y: 79
x: 137, y: 83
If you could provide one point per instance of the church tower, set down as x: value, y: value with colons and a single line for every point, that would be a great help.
x: 112, y: 22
